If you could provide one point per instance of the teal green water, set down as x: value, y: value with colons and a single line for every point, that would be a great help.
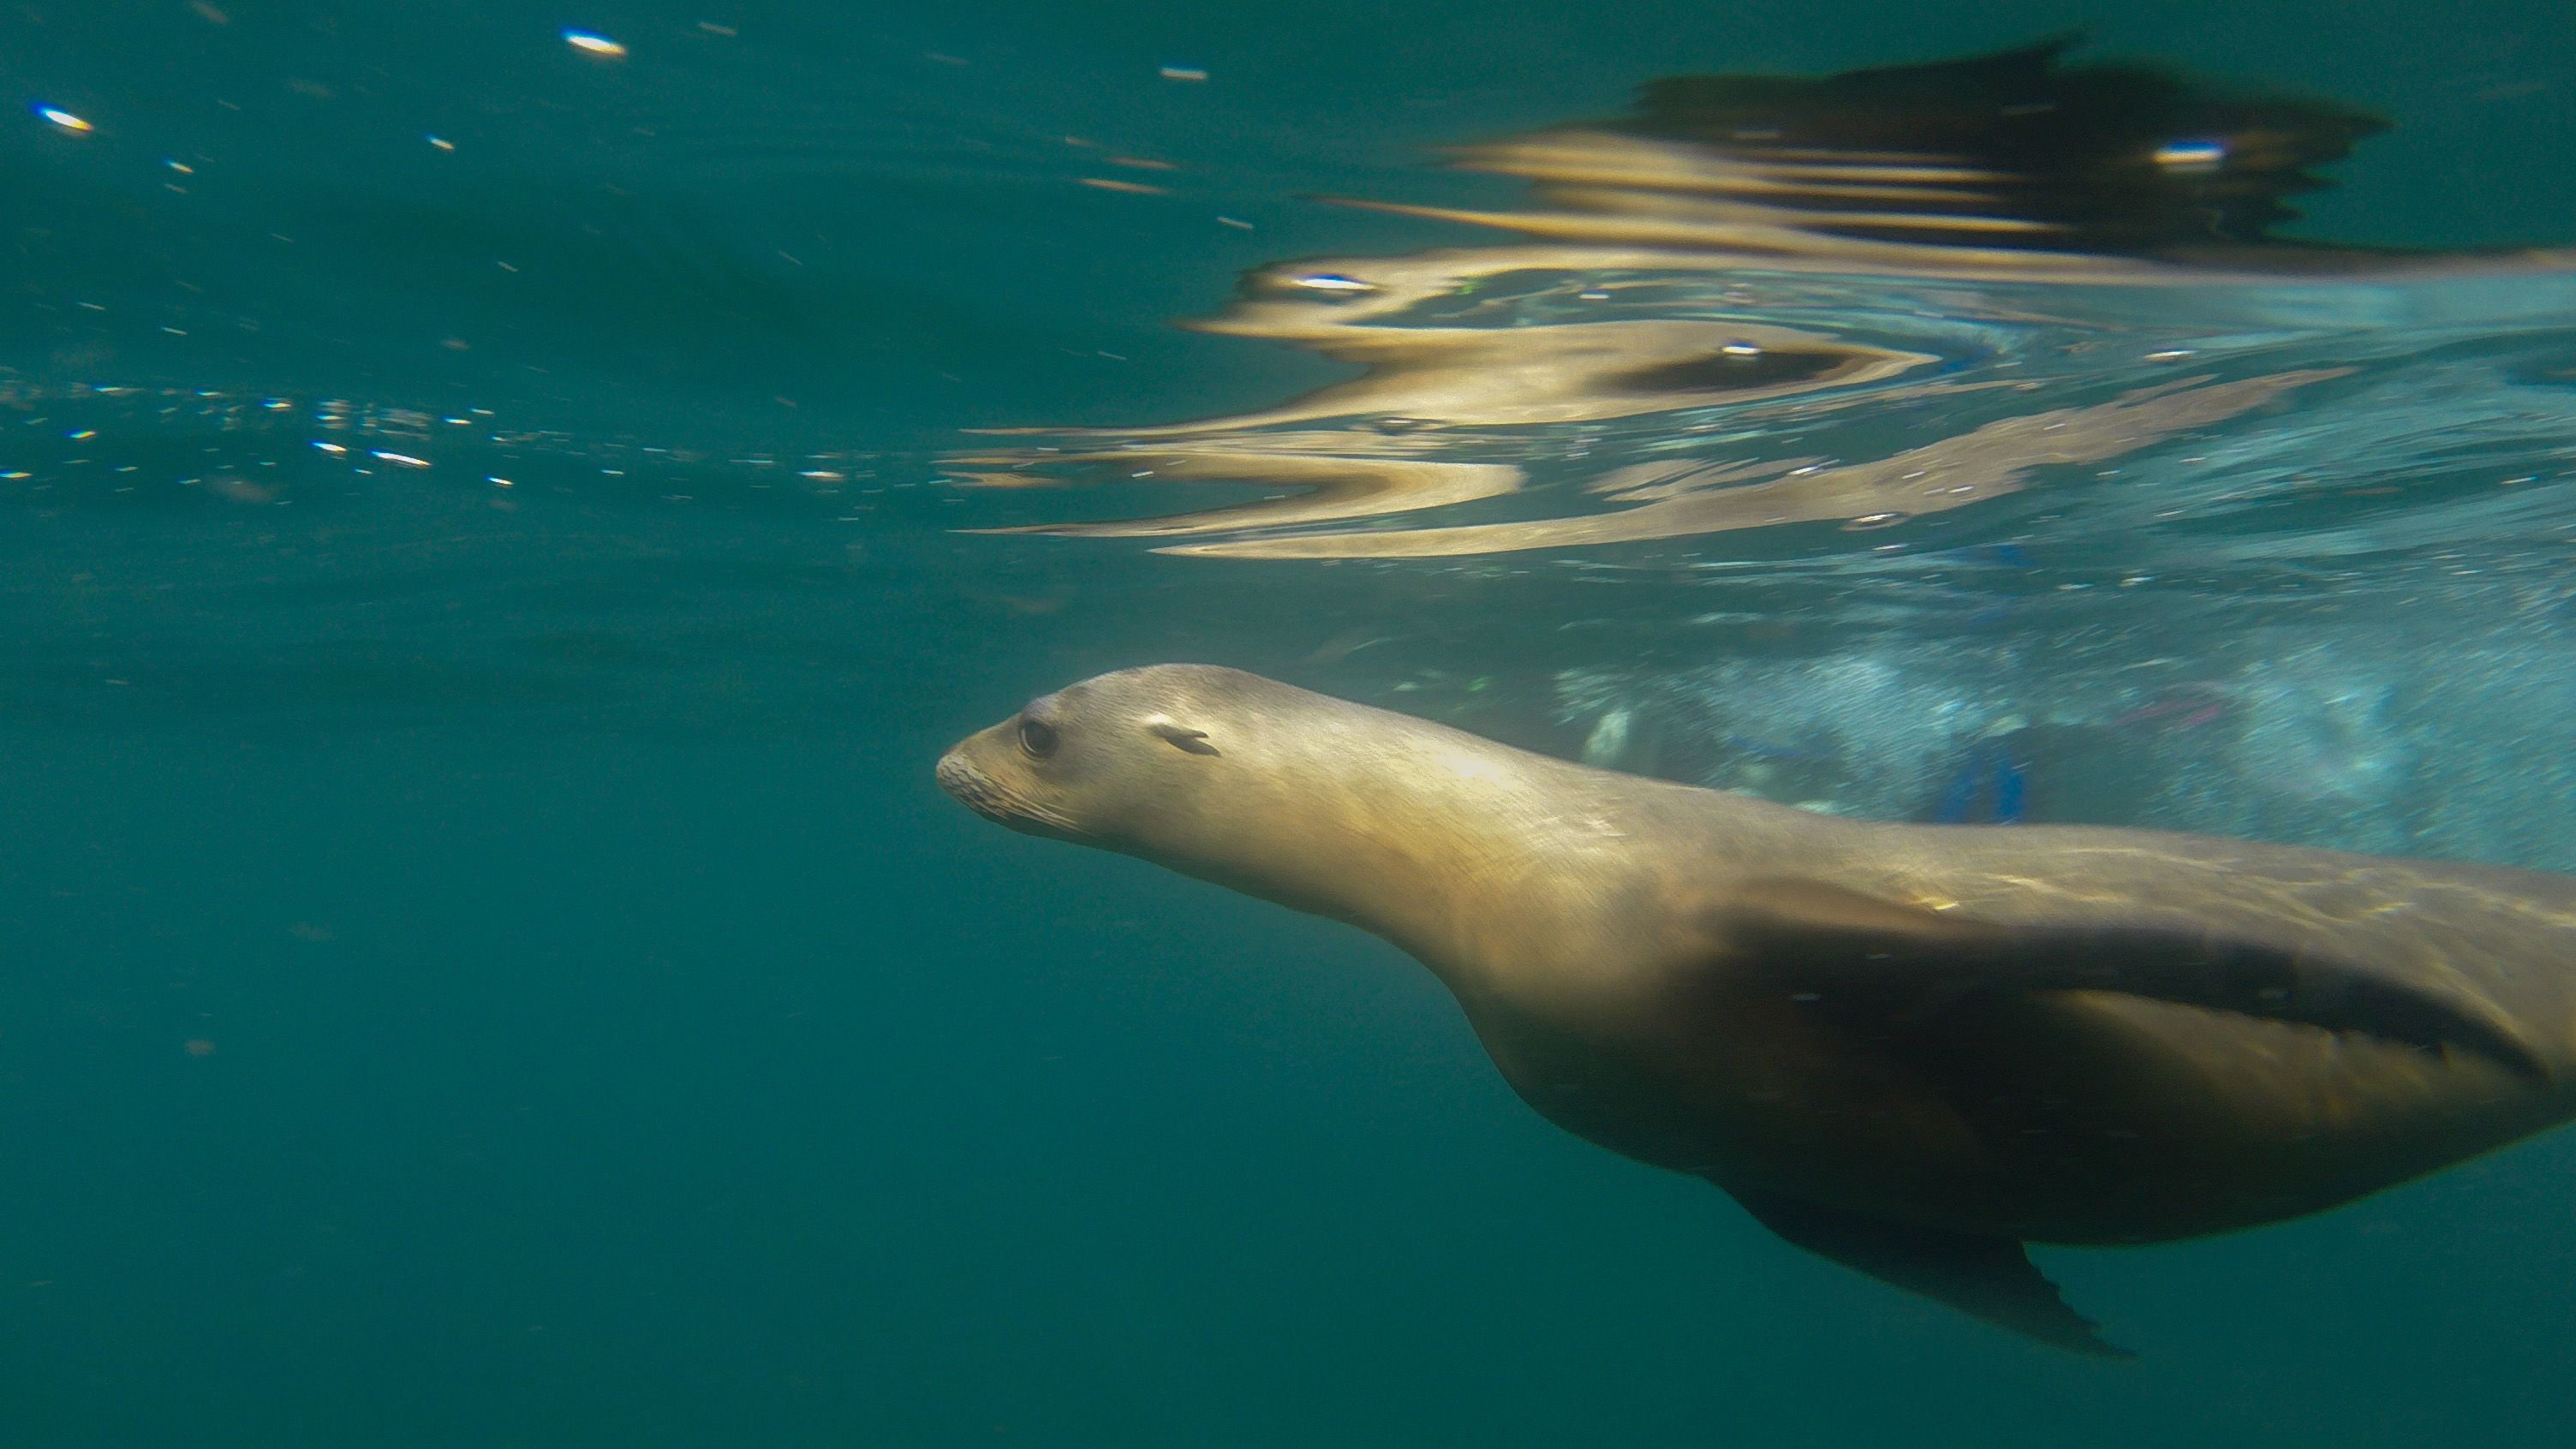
x: 486, y: 964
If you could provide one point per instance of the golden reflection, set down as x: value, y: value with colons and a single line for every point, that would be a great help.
x: 1343, y: 484
x: 1572, y: 372
x: 1720, y: 196
x: 1970, y: 467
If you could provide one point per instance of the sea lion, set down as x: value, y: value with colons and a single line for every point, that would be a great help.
x: 1910, y: 1048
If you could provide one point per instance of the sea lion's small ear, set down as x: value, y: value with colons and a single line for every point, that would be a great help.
x: 1194, y: 741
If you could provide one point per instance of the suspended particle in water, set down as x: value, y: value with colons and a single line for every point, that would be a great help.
x: 65, y: 120
x: 594, y: 44
x: 1183, y: 72
x: 1874, y: 520
x: 2190, y: 156
x: 442, y: 143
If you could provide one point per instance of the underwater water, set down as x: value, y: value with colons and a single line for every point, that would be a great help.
x: 501, y: 507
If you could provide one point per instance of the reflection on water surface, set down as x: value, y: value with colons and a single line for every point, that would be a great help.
x: 1860, y: 300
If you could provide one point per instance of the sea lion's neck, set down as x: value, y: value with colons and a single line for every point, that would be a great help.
x: 1442, y: 842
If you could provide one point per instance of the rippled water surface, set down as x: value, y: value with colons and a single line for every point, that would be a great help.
x: 501, y: 507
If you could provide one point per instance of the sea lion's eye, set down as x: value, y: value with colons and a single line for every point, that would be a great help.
x: 1038, y: 738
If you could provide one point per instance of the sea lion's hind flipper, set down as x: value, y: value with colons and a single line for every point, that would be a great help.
x: 1861, y: 956
x: 1988, y: 1278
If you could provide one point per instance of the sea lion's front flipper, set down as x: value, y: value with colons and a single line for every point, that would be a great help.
x: 1860, y: 956
x: 1988, y: 1278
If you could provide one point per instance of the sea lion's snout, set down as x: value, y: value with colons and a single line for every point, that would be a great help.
x: 967, y: 785
x: 978, y: 773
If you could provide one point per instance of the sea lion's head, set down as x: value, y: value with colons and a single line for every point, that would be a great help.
x: 1271, y: 790
x: 1316, y: 803
x: 1263, y: 787
x: 1126, y: 761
